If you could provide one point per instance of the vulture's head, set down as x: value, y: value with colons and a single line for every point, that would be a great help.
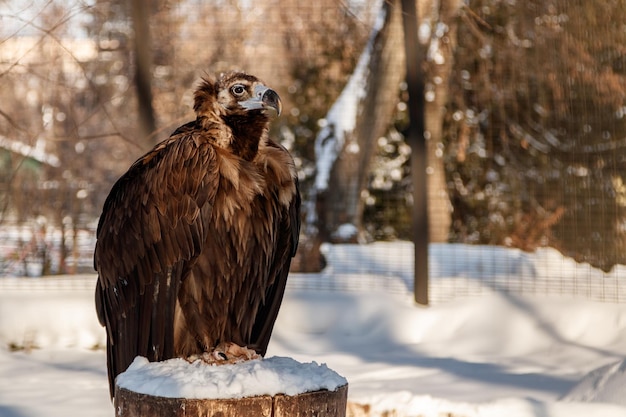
x: 236, y: 94
x: 243, y: 104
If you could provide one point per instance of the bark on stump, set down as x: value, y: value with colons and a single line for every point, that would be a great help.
x: 310, y: 404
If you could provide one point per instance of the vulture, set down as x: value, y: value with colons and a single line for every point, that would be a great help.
x: 195, y: 240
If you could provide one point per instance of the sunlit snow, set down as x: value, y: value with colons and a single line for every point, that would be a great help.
x: 499, y: 340
x: 177, y: 378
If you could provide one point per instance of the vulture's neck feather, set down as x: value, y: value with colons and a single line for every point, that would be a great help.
x: 248, y: 129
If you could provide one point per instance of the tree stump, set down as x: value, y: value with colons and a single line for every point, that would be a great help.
x: 309, y: 404
x: 272, y: 387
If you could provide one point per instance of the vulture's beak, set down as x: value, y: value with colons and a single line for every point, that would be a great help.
x: 263, y: 98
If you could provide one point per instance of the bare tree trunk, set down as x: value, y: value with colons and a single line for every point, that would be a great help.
x: 340, y: 202
x: 143, y: 70
x: 344, y: 150
x: 442, y: 46
x: 345, y: 145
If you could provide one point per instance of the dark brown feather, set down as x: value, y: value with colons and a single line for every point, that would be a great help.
x: 195, y: 240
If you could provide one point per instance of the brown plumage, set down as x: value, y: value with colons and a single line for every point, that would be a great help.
x: 195, y: 241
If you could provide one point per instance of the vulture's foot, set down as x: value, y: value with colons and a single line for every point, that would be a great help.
x: 226, y: 353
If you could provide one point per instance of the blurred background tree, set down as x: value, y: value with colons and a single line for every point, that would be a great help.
x: 524, y: 110
x: 536, y: 128
x: 84, y: 108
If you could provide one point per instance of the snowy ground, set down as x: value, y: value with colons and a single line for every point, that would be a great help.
x: 488, y: 353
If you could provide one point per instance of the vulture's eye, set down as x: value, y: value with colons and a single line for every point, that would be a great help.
x: 238, y: 89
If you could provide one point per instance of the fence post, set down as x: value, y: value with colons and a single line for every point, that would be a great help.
x: 415, y: 138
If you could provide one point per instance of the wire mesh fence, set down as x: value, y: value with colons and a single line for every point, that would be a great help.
x: 456, y: 271
x: 525, y: 131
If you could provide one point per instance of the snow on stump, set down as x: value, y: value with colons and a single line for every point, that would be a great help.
x: 272, y: 387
